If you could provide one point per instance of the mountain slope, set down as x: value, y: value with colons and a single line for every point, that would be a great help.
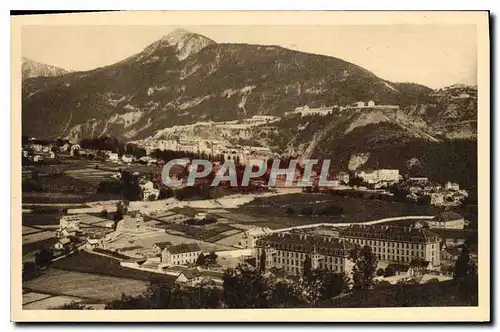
x: 185, y: 77
x: 32, y: 68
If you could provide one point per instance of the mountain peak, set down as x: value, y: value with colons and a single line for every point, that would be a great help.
x: 185, y: 43
x: 32, y: 68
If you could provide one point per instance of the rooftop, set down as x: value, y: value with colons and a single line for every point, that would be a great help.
x: 163, y: 245
x: 183, y: 248
x: 448, y: 216
x: 305, y: 243
x: 390, y: 233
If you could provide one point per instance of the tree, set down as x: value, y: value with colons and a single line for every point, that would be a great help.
x: 464, y: 266
x: 365, y: 264
x: 211, y: 258
x: 380, y: 272
x: 74, y: 306
x: 326, y: 284
x: 245, y: 287
x: 263, y: 260
x: 200, y: 261
x: 43, y: 257
x: 104, y: 213
x: 307, y: 267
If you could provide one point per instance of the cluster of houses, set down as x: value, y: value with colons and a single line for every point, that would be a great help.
x: 448, y: 194
x: 38, y: 152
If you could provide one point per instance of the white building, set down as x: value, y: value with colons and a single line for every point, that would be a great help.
x: 289, y: 251
x: 396, y: 244
x: 452, y: 186
x: 251, y: 236
x: 182, y: 254
x: 113, y: 156
x: 388, y: 175
x: 448, y: 219
x: 126, y: 158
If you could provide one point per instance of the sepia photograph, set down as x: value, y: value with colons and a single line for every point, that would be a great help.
x: 317, y: 166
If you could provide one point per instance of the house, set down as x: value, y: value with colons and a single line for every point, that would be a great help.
x: 342, y: 177
x: 113, y: 157
x: 62, y: 243
x: 437, y: 199
x: 189, y: 277
x: 399, y: 269
x: 37, y: 158
x: 418, y: 267
x: 69, y: 222
x: 450, y: 253
x: 159, y: 246
x: 371, y: 103
x: 447, y: 219
x: 452, y: 186
x: 359, y: 104
x: 250, y: 236
x: 94, y: 242
x: 453, y: 237
x: 127, y: 158
x: 51, y: 155
x: 74, y: 150
x: 181, y: 254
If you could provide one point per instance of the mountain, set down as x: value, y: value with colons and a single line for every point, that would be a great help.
x: 184, y: 77
x: 32, y: 68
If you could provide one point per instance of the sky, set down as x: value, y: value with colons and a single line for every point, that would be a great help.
x: 432, y: 55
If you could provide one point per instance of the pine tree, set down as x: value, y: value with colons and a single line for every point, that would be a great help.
x: 307, y: 267
x: 364, y: 268
x: 464, y: 266
x: 263, y: 260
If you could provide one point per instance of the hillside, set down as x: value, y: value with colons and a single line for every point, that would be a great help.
x: 184, y: 78
x: 32, y: 68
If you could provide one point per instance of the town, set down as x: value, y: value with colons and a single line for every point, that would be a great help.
x: 133, y: 228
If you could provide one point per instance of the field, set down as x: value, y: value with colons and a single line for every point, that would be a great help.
x: 85, y: 285
x: 89, y: 263
x: 354, y: 209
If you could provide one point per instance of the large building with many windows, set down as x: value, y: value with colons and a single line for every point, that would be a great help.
x: 396, y: 244
x: 289, y: 251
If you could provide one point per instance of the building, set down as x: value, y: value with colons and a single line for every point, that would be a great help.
x: 388, y: 175
x: 69, y: 221
x: 306, y: 111
x: 265, y: 118
x: 437, y: 199
x: 359, y: 104
x: 396, y: 244
x: 289, y: 251
x: 113, y: 157
x: 62, y: 243
x: 342, y: 177
x: 452, y: 186
x: 127, y: 158
x: 159, y: 246
x: 370, y: 103
x: 37, y: 158
x: 250, y: 236
x: 450, y: 253
x: 454, y: 237
x: 379, y: 175
x: 447, y: 219
x: 181, y: 254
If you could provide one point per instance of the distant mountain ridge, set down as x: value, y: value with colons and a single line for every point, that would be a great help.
x: 32, y: 68
x: 185, y: 77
